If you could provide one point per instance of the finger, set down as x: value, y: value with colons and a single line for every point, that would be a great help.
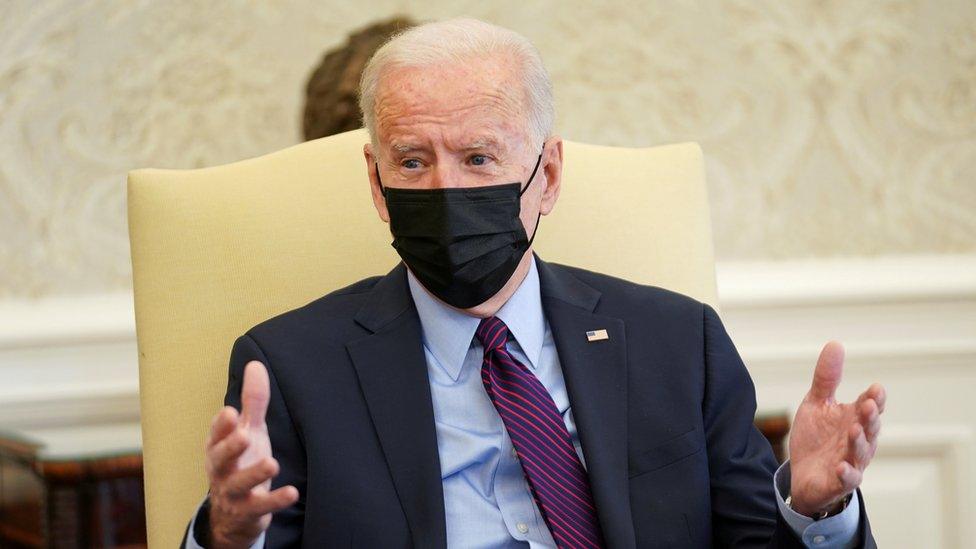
x: 873, y: 393
x: 827, y: 375
x: 849, y: 477
x: 872, y: 429
x: 857, y: 446
x: 866, y: 410
x: 868, y: 413
x: 223, y: 455
x: 271, y: 502
x: 240, y: 483
x: 879, y: 394
x: 870, y: 418
x: 255, y: 394
x: 222, y: 425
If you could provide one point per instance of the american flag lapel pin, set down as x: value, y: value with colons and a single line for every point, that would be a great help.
x: 597, y: 335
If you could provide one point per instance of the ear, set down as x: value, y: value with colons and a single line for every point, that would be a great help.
x: 372, y: 165
x: 552, y: 168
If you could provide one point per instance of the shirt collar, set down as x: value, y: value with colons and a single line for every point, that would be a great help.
x: 448, y: 333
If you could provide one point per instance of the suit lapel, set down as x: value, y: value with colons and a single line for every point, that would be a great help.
x: 392, y: 372
x: 596, y: 379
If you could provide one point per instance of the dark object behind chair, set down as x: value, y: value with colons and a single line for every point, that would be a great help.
x: 331, y: 102
x: 775, y: 427
x: 68, y: 502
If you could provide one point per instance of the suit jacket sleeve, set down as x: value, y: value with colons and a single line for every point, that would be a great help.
x: 286, y: 445
x: 740, y: 460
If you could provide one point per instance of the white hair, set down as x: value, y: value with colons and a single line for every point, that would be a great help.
x: 458, y: 40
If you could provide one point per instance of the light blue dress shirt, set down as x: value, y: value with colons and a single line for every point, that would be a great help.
x: 486, y: 497
x: 487, y: 501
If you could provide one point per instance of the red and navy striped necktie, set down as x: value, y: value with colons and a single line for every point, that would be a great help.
x: 558, y: 481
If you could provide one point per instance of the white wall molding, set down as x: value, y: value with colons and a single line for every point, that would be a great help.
x: 68, y: 361
x: 71, y: 405
x: 847, y: 281
x: 909, y: 322
x: 66, y: 320
x: 892, y: 314
x: 878, y: 358
x: 72, y: 360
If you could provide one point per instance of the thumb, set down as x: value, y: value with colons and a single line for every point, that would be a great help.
x: 827, y: 375
x: 255, y: 394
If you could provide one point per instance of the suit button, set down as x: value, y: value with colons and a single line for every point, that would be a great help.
x: 817, y: 540
x: 522, y: 527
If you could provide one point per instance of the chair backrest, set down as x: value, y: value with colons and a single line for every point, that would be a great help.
x: 217, y: 250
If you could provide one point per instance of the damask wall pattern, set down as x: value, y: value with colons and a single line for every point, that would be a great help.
x: 830, y: 127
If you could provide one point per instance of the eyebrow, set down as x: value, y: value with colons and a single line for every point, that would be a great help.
x: 405, y: 148
x: 482, y: 143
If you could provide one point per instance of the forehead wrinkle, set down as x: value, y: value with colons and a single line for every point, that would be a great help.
x: 419, y: 111
x: 409, y: 101
x: 463, y: 129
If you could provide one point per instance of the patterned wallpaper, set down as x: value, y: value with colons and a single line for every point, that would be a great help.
x: 831, y: 127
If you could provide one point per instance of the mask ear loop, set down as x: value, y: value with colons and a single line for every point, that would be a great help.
x: 531, y: 178
x: 379, y: 179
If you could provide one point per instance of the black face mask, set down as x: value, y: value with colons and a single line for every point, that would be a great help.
x: 462, y: 244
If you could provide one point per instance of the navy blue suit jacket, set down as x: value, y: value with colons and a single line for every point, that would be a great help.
x: 664, y: 409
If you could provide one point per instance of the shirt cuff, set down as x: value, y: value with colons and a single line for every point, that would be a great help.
x: 191, y: 540
x: 838, y: 531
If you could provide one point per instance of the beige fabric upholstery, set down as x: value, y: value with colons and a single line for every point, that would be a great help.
x: 217, y: 250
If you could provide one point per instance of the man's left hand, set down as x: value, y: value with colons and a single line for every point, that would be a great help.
x: 831, y: 442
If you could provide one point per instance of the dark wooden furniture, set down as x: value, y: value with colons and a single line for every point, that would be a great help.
x: 775, y: 427
x: 78, y: 496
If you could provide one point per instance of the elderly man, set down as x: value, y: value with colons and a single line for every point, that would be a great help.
x: 476, y: 396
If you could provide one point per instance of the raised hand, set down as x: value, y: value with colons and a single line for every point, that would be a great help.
x: 831, y: 443
x: 240, y: 467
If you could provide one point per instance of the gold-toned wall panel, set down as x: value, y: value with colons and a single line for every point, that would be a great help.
x: 830, y: 127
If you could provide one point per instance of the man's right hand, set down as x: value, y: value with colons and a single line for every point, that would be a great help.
x: 240, y: 467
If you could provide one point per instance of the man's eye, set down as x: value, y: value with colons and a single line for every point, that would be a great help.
x: 410, y: 163
x: 479, y: 160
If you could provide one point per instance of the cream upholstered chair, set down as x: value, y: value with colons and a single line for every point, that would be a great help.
x: 217, y: 250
